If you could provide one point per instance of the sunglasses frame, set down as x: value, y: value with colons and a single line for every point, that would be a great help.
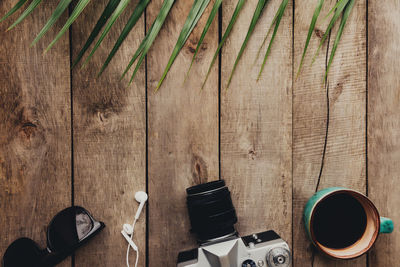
x: 50, y: 258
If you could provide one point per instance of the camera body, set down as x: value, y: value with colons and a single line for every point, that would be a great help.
x: 212, y: 217
x: 264, y: 249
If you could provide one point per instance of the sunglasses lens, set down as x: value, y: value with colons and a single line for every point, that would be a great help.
x: 22, y: 253
x: 68, y: 228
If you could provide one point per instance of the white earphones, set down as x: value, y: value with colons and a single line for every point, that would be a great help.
x: 127, y: 229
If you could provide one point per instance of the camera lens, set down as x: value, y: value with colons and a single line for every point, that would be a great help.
x: 211, y: 211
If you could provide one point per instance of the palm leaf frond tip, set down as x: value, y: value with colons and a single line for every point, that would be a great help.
x: 194, y: 15
x: 317, y: 11
x: 149, y: 38
x: 279, y: 16
x: 228, y: 30
x: 77, y: 11
x: 259, y: 8
x: 137, y: 13
x: 108, y: 10
x: 62, y: 6
x: 210, y: 19
x: 346, y: 14
x: 115, y: 15
x: 340, y: 7
x: 14, y: 9
x: 27, y: 11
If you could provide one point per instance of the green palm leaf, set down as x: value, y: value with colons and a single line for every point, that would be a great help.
x: 17, y: 6
x: 118, y: 11
x: 332, y: 9
x: 27, y: 11
x: 77, y: 11
x: 310, y: 31
x: 340, y: 7
x: 137, y: 54
x: 150, y: 37
x: 268, y: 32
x: 259, y: 8
x: 210, y: 19
x: 140, y: 49
x: 108, y: 10
x: 228, y: 30
x: 137, y: 13
x: 194, y: 15
x: 62, y: 6
x: 345, y: 16
x: 281, y: 10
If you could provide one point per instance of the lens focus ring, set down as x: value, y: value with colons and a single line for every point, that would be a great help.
x: 211, y: 211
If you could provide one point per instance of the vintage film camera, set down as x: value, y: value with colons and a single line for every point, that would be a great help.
x: 212, y: 217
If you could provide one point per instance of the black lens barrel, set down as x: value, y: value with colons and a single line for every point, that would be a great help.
x: 211, y: 210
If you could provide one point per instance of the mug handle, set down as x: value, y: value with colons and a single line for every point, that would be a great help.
x: 386, y: 226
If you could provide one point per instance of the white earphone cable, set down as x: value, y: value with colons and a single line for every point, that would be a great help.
x: 127, y: 251
x: 140, y: 197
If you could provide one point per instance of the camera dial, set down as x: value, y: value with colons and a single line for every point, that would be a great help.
x: 278, y: 257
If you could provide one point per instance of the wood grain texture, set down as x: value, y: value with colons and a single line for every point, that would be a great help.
x: 109, y: 131
x: 344, y: 163
x: 35, y: 142
x: 271, y: 133
x: 256, y: 123
x: 182, y: 133
x: 384, y: 124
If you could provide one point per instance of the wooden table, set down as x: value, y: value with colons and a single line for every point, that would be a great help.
x: 67, y: 137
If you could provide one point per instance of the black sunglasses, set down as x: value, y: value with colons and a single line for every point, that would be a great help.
x: 67, y: 231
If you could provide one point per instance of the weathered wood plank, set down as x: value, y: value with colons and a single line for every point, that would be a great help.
x: 182, y: 133
x: 384, y: 123
x: 256, y: 123
x: 344, y: 163
x: 109, y: 130
x: 35, y: 142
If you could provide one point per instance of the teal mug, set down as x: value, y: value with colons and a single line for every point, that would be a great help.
x: 343, y: 223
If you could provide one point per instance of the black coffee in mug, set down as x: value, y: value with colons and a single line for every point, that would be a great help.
x: 343, y: 223
x: 339, y: 221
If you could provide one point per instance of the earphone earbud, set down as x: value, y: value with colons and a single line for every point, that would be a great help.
x: 127, y: 228
x: 140, y: 197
